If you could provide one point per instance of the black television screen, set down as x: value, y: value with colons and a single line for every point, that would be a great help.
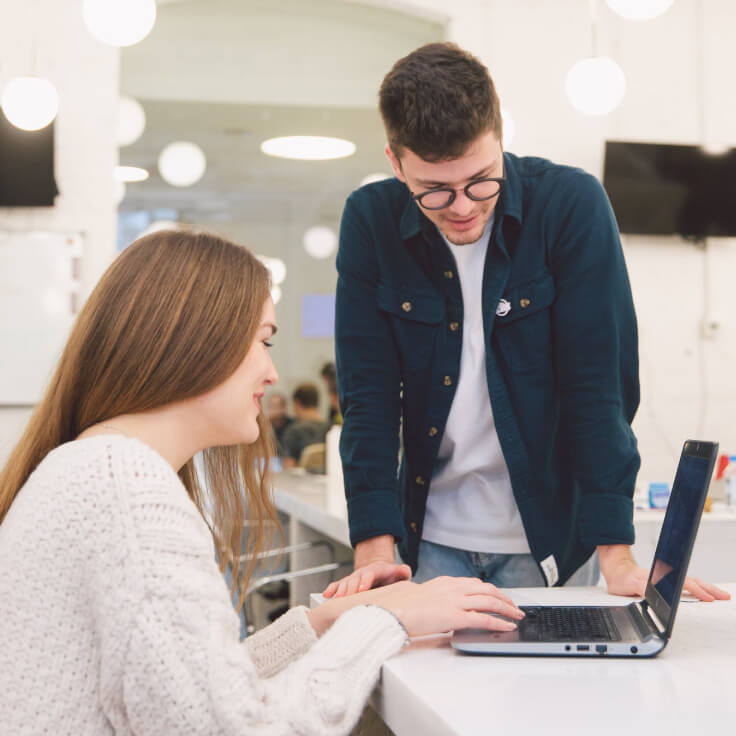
x: 26, y: 166
x: 659, y: 189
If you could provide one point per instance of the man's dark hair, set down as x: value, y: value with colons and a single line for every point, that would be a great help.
x: 307, y: 395
x: 438, y: 100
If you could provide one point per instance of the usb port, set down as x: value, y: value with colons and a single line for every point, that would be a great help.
x: 583, y: 647
x: 601, y: 648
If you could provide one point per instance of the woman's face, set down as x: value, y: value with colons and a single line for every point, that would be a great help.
x: 230, y: 410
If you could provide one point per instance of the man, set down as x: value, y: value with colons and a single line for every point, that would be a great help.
x: 309, y: 426
x: 483, y: 305
x: 277, y: 413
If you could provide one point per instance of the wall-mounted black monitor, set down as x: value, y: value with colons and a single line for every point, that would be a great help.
x: 659, y: 189
x: 26, y: 166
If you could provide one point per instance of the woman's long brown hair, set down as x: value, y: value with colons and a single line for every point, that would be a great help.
x: 172, y: 318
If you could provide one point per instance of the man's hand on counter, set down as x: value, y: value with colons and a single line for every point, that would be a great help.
x: 624, y: 577
x: 374, y: 566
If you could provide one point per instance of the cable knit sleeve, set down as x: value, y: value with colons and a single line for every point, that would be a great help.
x: 287, y: 638
x: 184, y: 670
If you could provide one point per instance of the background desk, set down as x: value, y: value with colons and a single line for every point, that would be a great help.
x: 303, y: 497
x: 431, y: 690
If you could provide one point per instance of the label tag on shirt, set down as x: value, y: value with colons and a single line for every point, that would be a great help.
x: 503, y: 308
x: 549, y: 566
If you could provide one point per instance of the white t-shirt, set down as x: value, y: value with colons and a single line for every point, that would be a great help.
x: 471, y: 505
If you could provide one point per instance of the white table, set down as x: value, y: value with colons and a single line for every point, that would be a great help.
x: 431, y: 690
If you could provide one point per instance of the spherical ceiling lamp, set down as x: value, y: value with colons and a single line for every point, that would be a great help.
x: 509, y: 127
x: 320, y: 242
x: 131, y: 121
x: 30, y: 103
x: 373, y: 178
x: 118, y: 191
x: 119, y: 22
x: 308, y: 147
x: 276, y: 294
x: 595, y: 86
x: 130, y: 173
x: 276, y: 268
x: 182, y: 163
x: 639, y: 9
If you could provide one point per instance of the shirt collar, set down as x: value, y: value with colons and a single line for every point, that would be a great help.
x: 412, y: 219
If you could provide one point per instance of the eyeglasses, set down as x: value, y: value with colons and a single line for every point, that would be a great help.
x: 479, y: 190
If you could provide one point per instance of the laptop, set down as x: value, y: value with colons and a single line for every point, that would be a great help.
x: 640, y: 629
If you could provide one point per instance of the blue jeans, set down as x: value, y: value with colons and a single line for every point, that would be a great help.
x: 503, y: 570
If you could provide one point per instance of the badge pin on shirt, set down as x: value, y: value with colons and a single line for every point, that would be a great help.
x: 503, y: 308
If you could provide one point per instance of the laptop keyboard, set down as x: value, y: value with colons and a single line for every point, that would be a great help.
x: 550, y: 623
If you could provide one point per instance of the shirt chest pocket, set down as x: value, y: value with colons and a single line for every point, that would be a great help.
x: 415, y: 318
x: 524, y: 331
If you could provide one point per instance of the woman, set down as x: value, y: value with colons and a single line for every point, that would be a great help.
x: 114, y: 617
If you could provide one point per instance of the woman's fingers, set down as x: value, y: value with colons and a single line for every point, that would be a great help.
x: 492, y: 604
x: 475, y: 586
x: 477, y: 620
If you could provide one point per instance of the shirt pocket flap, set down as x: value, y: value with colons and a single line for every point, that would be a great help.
x: 410, y: 305
x: 527, y: 299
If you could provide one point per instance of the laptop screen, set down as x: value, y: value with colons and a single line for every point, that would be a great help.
x: 679, y: 528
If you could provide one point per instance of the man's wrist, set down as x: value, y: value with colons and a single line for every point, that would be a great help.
x: 613, y: 557
x: 375, y: 549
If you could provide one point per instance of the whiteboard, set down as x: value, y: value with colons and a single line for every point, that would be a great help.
x: 39, y: 299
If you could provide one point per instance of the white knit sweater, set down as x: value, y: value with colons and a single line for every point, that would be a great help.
x: 114, y: 617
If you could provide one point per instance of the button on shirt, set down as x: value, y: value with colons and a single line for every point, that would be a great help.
x: 471, y: 505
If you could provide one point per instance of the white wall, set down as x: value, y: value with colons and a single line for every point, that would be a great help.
x: 679, y: 71
x: 85, y: 74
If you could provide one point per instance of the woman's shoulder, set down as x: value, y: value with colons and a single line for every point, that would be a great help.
x: 105, y: 457
x: 119, y: 477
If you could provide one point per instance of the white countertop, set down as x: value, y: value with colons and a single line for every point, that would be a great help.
x: 429, y: 689
x: 304, y: 496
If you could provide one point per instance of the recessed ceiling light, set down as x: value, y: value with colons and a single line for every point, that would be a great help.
x: 308, y: 147
x: 130, y: 173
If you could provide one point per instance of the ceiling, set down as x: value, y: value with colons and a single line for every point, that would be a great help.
x: 228, y: 74
x: 240, y: 181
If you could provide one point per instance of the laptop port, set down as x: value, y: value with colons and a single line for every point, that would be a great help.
x: 583, y: 647
x: 601, y: 648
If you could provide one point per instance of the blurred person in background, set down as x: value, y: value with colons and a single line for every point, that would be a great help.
x: 309, y: 426
x: 277, y: 412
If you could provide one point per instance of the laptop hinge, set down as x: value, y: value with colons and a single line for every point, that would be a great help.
x: 652, y: 622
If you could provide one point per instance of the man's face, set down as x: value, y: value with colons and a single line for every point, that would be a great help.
x: 463, y: 221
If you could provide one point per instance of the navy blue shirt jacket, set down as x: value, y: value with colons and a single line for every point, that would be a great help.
x: 561, y: 362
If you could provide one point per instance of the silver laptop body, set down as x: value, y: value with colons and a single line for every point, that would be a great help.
x: 640, y: 629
